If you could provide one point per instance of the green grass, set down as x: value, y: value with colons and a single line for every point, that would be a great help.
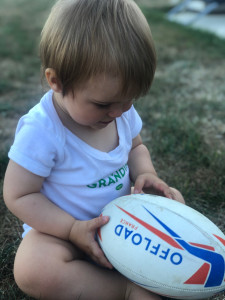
x: 3, y: 164
x: 183, y: 114
x: 177, y: 145
x: 19, y: 29
x: 5, y: 87
x: 20, y: 25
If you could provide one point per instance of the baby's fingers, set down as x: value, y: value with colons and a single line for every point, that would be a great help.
x: 95, y: 251
x: 99, y: 257
x: 98, y: 222
x: 151, y: 184
x: 139, y: 184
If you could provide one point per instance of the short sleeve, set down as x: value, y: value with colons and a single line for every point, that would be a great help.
x: 33, y: 148
x: 134, y: 120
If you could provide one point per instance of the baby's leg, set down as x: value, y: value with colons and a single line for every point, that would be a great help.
x: 50, y: 268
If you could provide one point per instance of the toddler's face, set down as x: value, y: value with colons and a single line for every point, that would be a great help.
x: 97, y: 102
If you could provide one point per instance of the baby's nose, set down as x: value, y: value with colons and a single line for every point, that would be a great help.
x: 116, y: 111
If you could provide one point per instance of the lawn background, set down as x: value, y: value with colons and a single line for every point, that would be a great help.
x: 183, y: 114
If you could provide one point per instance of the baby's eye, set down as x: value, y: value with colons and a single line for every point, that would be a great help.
x: 102, y: 106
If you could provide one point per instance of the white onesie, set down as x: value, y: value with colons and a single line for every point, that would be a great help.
x: 78, y: 178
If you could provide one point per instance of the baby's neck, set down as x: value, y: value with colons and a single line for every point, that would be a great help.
x: 105, y: 139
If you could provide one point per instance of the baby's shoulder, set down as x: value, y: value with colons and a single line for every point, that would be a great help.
x: 43, y: 117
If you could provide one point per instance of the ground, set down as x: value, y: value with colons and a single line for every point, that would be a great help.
x: 183, y: 114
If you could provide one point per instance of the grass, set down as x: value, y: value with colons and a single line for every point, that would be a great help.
x: 183, y: 114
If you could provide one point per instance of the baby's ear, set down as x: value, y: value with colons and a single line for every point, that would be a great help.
x: 53, y: 80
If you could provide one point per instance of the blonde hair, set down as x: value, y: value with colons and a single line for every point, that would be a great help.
x: 84, y: 38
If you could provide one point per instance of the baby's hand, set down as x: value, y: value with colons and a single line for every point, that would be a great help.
x: 82, y: 235
x: 149, y: 183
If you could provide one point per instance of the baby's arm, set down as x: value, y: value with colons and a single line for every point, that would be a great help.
x: 143, y: 174
x: 23, y: 197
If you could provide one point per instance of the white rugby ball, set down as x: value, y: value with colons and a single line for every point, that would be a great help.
x: 164, y: 246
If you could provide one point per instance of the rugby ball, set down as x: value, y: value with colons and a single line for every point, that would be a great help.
x: 164, y: 246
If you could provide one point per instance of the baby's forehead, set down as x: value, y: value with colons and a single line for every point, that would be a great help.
x: 105, y: 88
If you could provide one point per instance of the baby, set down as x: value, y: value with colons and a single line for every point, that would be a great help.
x: 80, y: 147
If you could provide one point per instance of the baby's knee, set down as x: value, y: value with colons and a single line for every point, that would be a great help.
x: 34, y: 277
x: 36, y: 280
x: 26, y: 277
